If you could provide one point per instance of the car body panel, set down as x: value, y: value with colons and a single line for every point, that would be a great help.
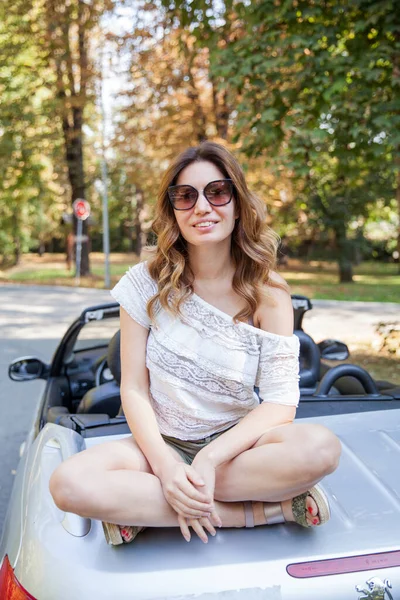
x: 364, y: 494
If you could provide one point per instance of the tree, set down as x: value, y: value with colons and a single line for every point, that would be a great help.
x: 167, y: 104
x: 169, y: 100
x: 30, y: 191
x: 319, y: 86
x: 68, y: 27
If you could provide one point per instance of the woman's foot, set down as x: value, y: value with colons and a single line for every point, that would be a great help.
x: 120, y: 534
x: 309, y: 510
x: 129, y: 532
x: 312, y: 516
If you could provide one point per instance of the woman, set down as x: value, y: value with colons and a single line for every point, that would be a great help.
x: 203, y: 321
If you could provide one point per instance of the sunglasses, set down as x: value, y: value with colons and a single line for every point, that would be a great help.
x: 184, y: 197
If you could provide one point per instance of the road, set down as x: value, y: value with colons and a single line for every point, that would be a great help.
x: 32, y: 320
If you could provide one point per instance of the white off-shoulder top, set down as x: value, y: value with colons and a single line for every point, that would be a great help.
x: 203, y: 367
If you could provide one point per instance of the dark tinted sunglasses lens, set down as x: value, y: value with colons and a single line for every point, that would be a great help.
x: 219, y: 192
x: 182, y: 197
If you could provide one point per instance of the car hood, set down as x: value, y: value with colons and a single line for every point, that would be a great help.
x: 361, y: 541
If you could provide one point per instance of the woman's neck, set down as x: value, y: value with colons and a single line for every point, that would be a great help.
x: 211, y: 263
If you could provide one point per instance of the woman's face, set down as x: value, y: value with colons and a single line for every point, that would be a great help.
x: 198, y: 175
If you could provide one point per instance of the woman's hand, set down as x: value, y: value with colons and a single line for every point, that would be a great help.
x: 180, y: 483
x: 205, y: 468
x: 198, y: 525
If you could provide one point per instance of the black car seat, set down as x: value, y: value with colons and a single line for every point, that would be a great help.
x: 310, y: 359
x: 106, y: 398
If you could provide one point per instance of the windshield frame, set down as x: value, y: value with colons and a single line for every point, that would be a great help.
x: 66, y: 346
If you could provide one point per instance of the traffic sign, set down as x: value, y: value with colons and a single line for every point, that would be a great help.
x: 81, y: 209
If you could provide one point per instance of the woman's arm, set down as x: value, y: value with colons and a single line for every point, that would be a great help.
x: 178, y: 479
x: 246, y: 433
x: 275, y: 319
x: 135, y: 394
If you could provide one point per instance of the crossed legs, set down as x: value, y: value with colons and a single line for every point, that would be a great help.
x: 113, y: 482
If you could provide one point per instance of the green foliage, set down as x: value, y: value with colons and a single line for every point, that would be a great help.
x: 30, y: 203
x: 318, y: 91
x: 327, y: 81
x: 309, y: 89
x: 46, y: 78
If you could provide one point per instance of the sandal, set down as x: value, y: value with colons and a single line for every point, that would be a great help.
x: 320, y: 499
x: 274, y: 514
x: 120, y: 534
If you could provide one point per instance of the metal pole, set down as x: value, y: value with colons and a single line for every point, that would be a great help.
x: 104, y: 176
x: 79, y: 228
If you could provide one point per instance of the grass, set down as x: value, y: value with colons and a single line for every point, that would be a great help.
x: 373, y: 282
x: 47, y: 276
x: 39, y: 276
x: 52, y: 270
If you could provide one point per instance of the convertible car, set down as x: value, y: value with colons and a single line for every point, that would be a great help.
x: 46, y: 554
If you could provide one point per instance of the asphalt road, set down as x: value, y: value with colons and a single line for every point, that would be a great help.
x: 32, y: 320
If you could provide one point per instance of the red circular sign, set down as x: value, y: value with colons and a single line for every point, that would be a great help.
x: 81, y: 209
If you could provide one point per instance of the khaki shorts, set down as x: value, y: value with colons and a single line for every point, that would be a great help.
x: 189, y: 449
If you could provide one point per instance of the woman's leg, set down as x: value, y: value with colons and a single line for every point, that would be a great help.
x: 113, y: 482
x: 284, y: 463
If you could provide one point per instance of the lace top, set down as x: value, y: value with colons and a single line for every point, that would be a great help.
x: 203, y: 367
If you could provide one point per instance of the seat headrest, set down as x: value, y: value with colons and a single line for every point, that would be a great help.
x: 310, y: 358
x: 114, y: 356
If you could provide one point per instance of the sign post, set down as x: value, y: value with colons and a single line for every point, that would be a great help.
x: 104, y: 176
x: 81, y: 210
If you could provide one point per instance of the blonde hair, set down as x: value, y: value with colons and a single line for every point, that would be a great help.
x: 253, y: 249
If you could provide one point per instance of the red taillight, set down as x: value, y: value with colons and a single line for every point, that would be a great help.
x: 10, y: 588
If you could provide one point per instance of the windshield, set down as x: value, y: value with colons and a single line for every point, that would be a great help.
x: 96, y: 333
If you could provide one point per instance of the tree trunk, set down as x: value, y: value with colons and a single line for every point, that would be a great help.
x: 344, y: 248
x: 398, y: 211
x: 74, y: 156
x: 67, y: 36
x: 16, y: 239
x: 199, y: 116
x: 395, y: 78
x: 137, y: 221
x: 359, y: 243
x: 221, y: 110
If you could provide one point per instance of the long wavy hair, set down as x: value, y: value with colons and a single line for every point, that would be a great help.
x: 253, y: 244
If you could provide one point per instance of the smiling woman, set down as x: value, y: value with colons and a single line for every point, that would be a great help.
x: 204, y: 205
x: 210, y: 197
x: 203, y: 322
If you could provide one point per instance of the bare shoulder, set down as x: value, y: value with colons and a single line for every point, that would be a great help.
x: 277, y: 278
x: 275, y: 312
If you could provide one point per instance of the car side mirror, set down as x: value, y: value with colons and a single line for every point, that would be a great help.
x: 333, y: 350
x: 27, y: 368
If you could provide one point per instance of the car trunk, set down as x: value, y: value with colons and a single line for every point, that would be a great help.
x: 360, y: 542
